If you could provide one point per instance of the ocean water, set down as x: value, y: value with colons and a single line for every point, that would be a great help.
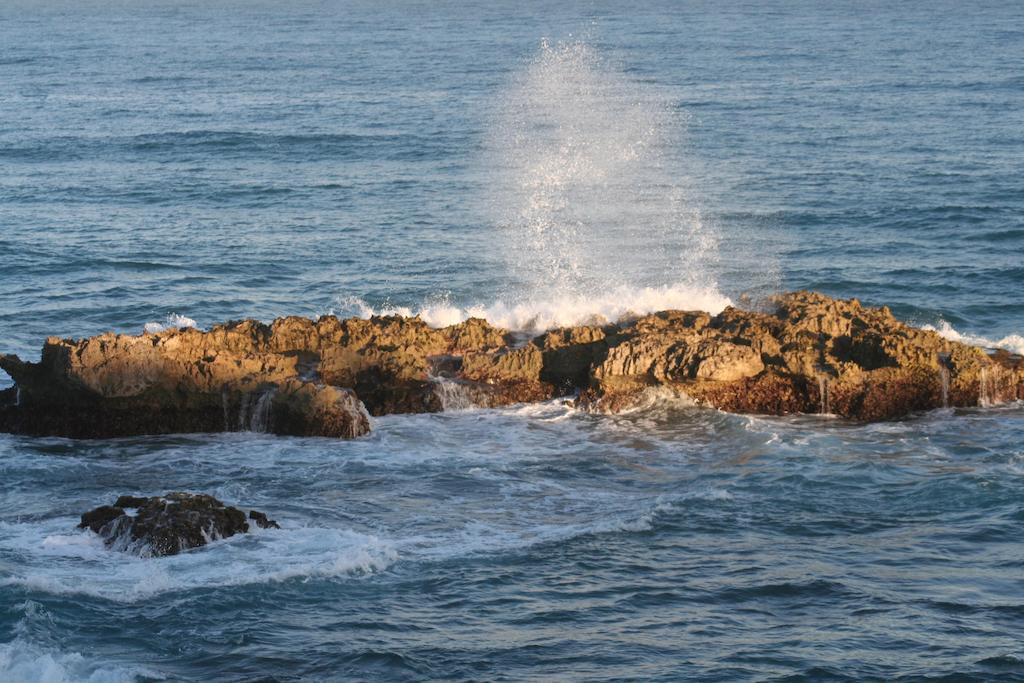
x: 535, y: 163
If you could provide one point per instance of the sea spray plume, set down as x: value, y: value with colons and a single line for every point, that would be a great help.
x: 591, y: 186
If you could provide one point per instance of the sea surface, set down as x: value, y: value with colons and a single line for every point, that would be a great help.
x: 186, y: 163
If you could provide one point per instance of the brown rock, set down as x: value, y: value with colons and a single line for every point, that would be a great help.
x: 297, y: 376
x: 814, y: 352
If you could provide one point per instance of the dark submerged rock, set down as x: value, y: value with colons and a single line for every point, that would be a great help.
x: 100, y: 517
x: 262, y: 521
x: 130, y: 502
x: 169, y: 524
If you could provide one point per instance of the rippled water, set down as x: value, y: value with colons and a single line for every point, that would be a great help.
x: 257, y: 159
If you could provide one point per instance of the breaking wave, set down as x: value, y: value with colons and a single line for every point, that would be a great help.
x: 1011, y: 342
x: 56, y: 552
x: 21, y: 660
x: 173, y: 321
x: 622, y: 302
x: 33, y: 656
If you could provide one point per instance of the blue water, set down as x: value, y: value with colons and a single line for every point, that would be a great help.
x: 535, y: 164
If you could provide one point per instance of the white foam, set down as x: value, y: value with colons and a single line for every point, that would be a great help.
x: 653, y: 398
x: 62, y: 560
x: 537, y: 316
x: 22, y: 660
x: 1012, y: 342
x: 174, y: 321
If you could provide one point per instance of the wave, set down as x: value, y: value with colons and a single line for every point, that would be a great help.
x: 58, y: 560
x: 1011, y: 342
x: 479, y: 538
x: 620, y: 303
x: 63, y: 561
x: 173, y: 321
x: 172, y: 145
x: 22, y: 660
x: 535, y: 316
x: 33, y: 655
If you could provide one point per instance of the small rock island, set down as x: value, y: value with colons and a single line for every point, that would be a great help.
x: 808, y: 354
x: 169, y: 524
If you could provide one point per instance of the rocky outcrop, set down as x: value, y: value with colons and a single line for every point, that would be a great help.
x: 167, y: 525
x: 227, y: 379
x: 297, y: 376
x: 812, y: 354
x: 293, y: 377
